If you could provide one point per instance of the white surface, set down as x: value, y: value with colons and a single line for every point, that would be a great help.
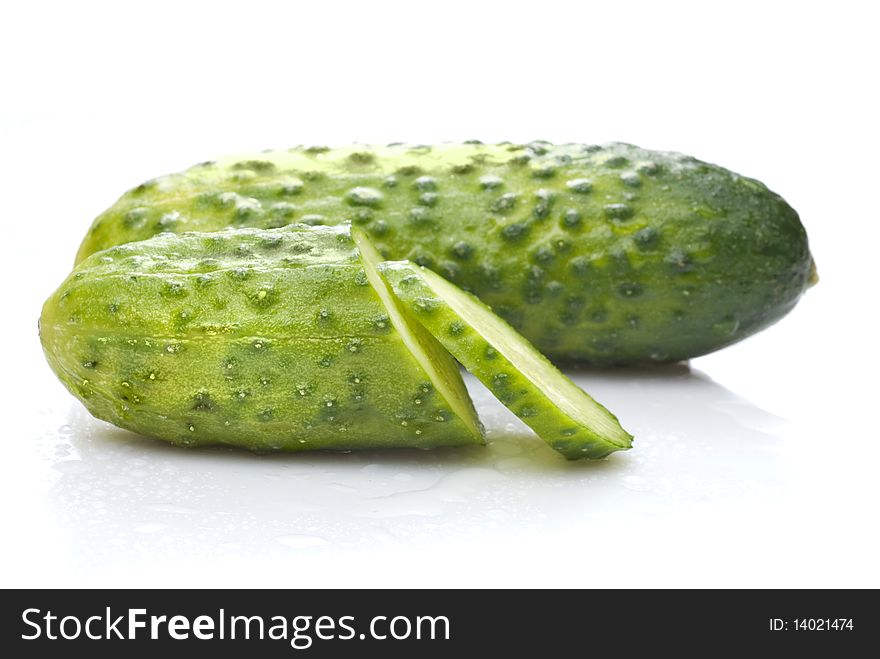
x: 756, y: 467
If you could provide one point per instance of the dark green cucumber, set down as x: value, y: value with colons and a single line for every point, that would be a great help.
x: 265, y: 339
x: 608, y: 254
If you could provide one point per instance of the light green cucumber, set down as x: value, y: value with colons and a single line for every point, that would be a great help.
x: 264, y: 339
x: 520, y: 377
x: 608, y: 254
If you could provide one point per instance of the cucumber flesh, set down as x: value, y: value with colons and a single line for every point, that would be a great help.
x: 521, y: 377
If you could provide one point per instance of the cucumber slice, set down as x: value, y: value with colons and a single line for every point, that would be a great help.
x: 523, y: 379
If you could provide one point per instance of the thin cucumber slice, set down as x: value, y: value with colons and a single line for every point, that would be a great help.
x: 523, y: 379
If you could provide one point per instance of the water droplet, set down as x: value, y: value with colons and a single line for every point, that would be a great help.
x: 298, y: 541
x: 579, y: 185
x: 426, y: 183
x: 491, y: 182
x: 362, y: 196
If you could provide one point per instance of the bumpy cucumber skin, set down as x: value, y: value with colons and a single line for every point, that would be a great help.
x: 260, y: 339
x: 532, y: 405
x: 606, y: 254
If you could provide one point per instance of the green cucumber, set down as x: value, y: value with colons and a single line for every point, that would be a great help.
x: 608, y: 254
x: 264, y: 339
x: 517, y: 374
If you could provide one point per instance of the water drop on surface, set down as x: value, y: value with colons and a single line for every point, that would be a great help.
x: 296, y: 541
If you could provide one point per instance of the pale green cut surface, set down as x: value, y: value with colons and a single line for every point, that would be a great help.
x: 427, y: 350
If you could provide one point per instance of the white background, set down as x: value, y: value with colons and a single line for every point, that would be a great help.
x: 756, y: 466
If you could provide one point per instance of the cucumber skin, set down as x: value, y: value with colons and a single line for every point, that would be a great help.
x: 608, y: 255
x: 266, y: 340
x: 527, y: 401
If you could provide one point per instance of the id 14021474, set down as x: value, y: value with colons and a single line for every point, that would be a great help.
x: 811, y: 624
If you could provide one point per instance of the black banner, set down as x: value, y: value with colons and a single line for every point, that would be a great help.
x: 279, y: 623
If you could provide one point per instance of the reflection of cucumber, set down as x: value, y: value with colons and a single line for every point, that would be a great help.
x: 519, y: 376
x: 261, y: 339
x: 609, y: 254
